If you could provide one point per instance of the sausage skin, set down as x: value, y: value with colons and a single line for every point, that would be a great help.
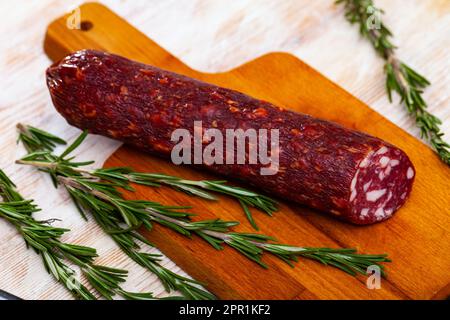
x: 349, y: 174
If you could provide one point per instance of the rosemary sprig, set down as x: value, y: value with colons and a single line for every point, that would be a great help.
x: 400, y: 78
x: 112, y: 215
x: 215, y: 232
x: 101, y: 198
x: 109, y: 217
x: 40, y: 144
x: 45, y: 240
x: 122, y: 176
x: 35, y: 139
x: 198, y: 188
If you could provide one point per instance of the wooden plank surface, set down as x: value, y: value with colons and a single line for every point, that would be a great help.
x: 210, y: 36
x: 408, y: 237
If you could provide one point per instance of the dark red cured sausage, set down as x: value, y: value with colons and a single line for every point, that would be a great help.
x: 352, y: 175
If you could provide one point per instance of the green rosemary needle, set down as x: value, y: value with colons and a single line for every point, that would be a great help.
x: 101, y: 197
x: 45, y: 240
x: 400, y: 78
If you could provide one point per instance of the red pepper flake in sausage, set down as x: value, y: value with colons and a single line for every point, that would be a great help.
x: 163, y: 80
x: 123, y: 90
x: 88, y: 110
x: 295, y: 132
x: 260, y: 112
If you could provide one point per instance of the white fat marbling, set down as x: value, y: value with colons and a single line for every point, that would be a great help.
x: 375, y: 195
x: 382, y: 150
x: 384, y: 161
x: 353, y: 195
x: 364, y: 212
x: 365, y: 161
x: 367, y: 185
x: 353, y: 183
x: 394, y: 162
x: 410, y: 173
x: 388, y: 170
x: 380, y: 214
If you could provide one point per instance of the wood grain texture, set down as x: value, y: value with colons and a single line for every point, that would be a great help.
x: 408, y: 237
x: 211, y: 36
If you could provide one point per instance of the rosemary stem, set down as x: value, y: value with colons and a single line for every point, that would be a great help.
x: 393, y: 60
x: 169, y: 219
x: 219, y: 235
x: 38, y: 164
x: 72, y: 183
x: 52, y: 165
x: 22, y: 128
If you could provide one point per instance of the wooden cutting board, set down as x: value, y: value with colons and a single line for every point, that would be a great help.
x: 417, y: 238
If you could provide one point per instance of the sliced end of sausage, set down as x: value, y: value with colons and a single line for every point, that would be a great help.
x: 381, y: 185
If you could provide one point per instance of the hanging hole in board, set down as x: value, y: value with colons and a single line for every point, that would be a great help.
x: 86, y: 25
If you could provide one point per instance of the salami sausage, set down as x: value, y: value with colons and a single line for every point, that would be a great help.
x: 353, y: 176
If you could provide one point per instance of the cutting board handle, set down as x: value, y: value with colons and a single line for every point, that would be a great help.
x: 91, y: 25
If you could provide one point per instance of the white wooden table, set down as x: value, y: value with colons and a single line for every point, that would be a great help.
x: 209, y: 35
